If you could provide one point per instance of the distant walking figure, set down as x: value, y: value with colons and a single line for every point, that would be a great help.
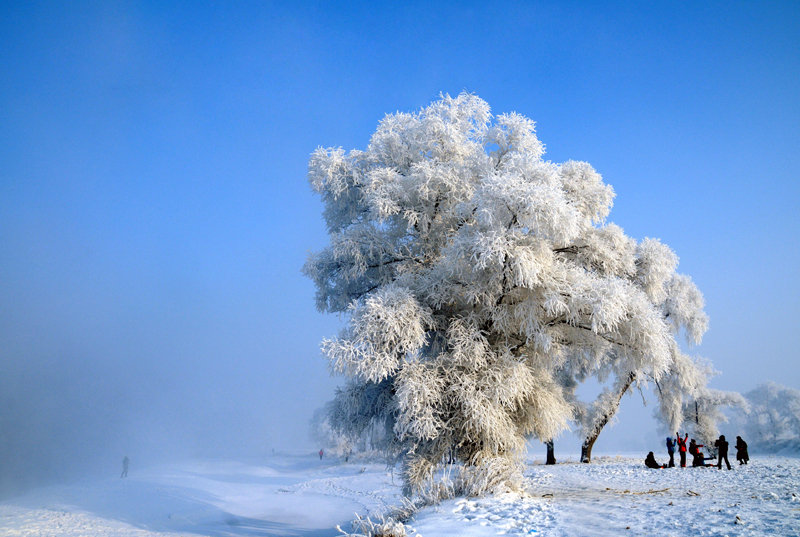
x: 671, y: 451
x: 125, y: 462
x: 741, y: 451
x: 722, y: 451
x: 320, y: 454
x: 682, y: 448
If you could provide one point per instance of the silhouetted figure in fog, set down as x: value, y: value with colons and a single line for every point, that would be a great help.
x: 741, y: 451
x: 722, y: 451
x: 320, y: 454
x: 125, y: 462
x: 650, y: 461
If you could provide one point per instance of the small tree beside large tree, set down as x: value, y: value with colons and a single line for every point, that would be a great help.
x: 479, y: 281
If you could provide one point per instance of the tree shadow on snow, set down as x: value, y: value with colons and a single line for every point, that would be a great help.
x: 241, y: 527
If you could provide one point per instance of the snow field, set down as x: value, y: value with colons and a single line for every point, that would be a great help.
x: 619, y: 496
x: 302, y: 496
x: 285, y: 496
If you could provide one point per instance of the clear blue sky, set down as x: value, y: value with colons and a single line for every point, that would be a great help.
x: 154, y: 210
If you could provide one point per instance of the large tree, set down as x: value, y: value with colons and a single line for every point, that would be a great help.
x: 476, y: 276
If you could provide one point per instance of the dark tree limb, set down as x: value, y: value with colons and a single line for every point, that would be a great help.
x: 591, y: 438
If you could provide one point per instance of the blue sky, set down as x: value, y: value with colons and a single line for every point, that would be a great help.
x: 154, y: 210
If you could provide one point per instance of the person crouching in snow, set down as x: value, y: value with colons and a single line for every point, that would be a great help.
x: 697, y: 456
x: 650, y: 461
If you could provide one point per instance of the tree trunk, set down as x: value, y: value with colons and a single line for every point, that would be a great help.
x: 588, y: 443
x: 586, y: 447
x: 551, y: 452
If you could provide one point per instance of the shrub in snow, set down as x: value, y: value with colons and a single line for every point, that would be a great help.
x: 481, y: 283
x: 383, y: 527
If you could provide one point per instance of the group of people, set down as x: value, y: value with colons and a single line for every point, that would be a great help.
x: 694, y: 449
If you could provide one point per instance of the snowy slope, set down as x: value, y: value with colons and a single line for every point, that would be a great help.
x: 303, y: 496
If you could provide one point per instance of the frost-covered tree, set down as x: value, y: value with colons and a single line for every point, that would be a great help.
x: 474, y: 275
x: 772, y: 421
x: 681, y: 307
x: 333, y: 440
x: 355, y: 420
x: 701, y: 412
x: 684, y: 398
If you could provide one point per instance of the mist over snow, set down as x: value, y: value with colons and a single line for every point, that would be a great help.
x: 156, y: 373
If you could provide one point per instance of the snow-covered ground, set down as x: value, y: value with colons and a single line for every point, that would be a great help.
x: 299, y: 495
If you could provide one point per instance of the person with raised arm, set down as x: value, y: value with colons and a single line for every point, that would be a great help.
x: 682, y: 448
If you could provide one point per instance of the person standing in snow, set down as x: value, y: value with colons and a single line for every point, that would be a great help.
x: 722, y: 451
x: 671, y: 451
x: 320, y: 454
x: 125, y: 462
x: 682, y: 448
x: 693, y: 451
x: 741, y: 451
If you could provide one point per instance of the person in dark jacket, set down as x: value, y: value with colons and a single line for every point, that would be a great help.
x: 741, y: 451
x: 682, y: 448
x: 722, y: 451
x: 650, y: 461
x: 671, y: 451
x: 697, y: 456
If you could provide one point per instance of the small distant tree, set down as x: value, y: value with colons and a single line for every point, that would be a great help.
x: 355, y: 420
x: 332, y: 440
x: 473, y: 275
